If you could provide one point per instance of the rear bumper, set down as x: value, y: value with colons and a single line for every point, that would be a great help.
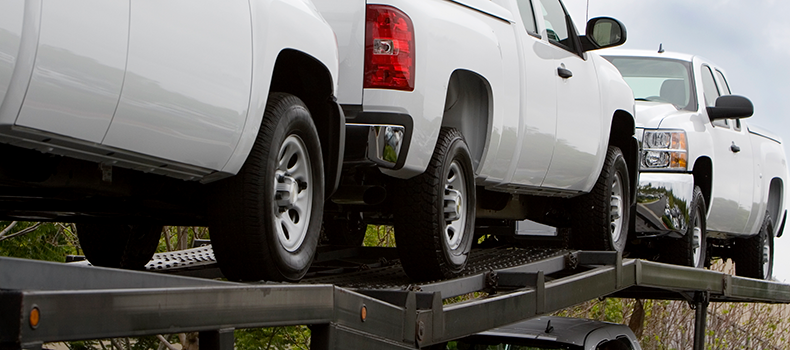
x: 377, y: 138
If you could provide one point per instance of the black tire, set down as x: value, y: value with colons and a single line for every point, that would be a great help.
x: 345, y: 231
x: 691, y: 249
x: 435, y: 213
x: 754, y: 255
x: 600, y: 218
x: 266, y: 220
x: 126, y: 246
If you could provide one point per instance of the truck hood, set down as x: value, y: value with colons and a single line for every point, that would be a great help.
x: 649, y: 114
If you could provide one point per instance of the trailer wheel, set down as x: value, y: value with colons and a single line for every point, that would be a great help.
x: 126, y: 246
x: 690, y: 250
x: 345, y: 231
x: 435, y: 212
x: 600, y: 218
x: 266, y: 220
x: 754, y: 256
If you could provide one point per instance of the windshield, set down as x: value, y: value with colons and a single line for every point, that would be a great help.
x: 520, y: 344
x: 658, y: 79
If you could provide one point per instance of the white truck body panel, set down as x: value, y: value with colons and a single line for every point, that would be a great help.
x: 741, y: 180
x: 135, y: 89
x: 77, y: 99
x: 10, y: 37
x: 530, y: 144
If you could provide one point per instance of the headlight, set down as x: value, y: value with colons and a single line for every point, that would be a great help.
x: 664, y: 150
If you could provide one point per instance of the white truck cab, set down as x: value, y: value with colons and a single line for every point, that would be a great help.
x: 710, y: 184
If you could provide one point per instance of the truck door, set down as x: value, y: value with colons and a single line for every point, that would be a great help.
x: 733, y: 168
x: 538, y: 110
x: 12, y: 13
x: 187, y: 88
x: 575, y: 164
x: 79, y: 68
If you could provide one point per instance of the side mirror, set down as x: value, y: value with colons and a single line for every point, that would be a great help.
x: 603, y: 32
x: 731, y: 106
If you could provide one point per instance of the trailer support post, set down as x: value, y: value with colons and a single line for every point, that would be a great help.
x: 701, y: 301
x: 222, y: 339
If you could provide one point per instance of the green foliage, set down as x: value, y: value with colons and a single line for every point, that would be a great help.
x: 46, y: 241
x: 180, y: 237
x: 273, y: 338
x: 379, y: 236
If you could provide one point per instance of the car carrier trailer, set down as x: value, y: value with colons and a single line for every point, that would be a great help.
x: 370, y: 307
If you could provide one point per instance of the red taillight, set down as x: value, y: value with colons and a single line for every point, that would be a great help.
x: 389, y: 49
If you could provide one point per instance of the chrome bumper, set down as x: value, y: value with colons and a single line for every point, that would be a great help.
x: 663, y: 204
x: 384, y: 143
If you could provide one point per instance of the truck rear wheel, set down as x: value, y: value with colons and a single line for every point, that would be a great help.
x: 600, y: 218
x: 266, y: 220
x: 691, y: 249
x: 435, y: 213
x: 126, y: 246
x: 754, y: 256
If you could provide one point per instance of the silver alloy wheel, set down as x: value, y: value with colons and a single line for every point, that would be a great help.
x: 766, y: 257
x: 455, y: 192
x: 293, y: 193
x: 616, y: 208
x: 697, y: 239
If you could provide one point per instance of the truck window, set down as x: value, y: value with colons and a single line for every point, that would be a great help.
x: 711, y: 93
x: 528, y: 16
x: 616, y: 344
x: 555, y: 19
x: 658, y: 80
x: 725, y: 87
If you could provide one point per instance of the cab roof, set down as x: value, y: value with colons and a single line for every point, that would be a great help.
x: 564, y: 330
x: 648, y: 53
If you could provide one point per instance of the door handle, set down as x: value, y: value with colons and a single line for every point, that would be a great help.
x: 564, y: 73
x: 734, y: 148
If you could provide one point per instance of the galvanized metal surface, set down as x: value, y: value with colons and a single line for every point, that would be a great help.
x: 95, y: 314
x: 365, y: 308
x: 23, y: 274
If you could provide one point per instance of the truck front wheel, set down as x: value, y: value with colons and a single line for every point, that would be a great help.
x: 754, y: 255
x: 600, y: 218
x: 126, y: 246
x: 266, y: 220
x: 435, y: 213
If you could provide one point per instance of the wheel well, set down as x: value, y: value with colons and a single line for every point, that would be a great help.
x: 775, y: 200
x: 467, y: 108
x: 621, y: 135
x: 703, y: 177
x: 302, y: 75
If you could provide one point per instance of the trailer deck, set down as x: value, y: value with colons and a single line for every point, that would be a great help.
x: 354, y: 298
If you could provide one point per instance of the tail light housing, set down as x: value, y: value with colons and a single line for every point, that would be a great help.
x: 389, y: 49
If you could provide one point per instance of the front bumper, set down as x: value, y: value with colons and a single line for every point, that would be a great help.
x: 663, y: 204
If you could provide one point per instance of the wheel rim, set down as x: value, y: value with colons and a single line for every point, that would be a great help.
x: 616, y: 208
x: 455, y: 194
x: 696, y: 239
x: 766, y: 257
x: 293, y: 193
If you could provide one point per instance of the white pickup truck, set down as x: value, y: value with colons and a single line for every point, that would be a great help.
x: 476, y: 110
x: 126, y: 115
x: 710, y: 185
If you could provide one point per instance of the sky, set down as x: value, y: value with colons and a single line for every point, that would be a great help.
x: 749, y: 39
